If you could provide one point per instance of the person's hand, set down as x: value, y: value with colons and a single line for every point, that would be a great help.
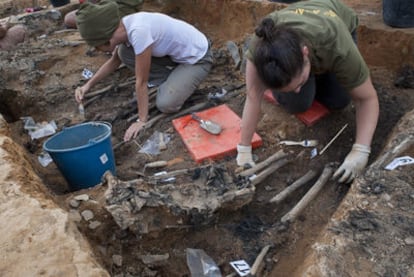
x: 244, y: 155
x: 133, y: 130
x: 353, y: 164
x: 79, y: 93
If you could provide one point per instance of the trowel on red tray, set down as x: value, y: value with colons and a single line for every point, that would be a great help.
x: 208, y: 125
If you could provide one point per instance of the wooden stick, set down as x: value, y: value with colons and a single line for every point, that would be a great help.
x: 277, y: 156
x: 259, y: 259
x: 333, y: 139
x: 297, y: 184
x: 310, y: 195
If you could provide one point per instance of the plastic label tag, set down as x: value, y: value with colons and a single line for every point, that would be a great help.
x: 242, y: 268
x: 314, y: 153
x: 399, y: 161
x: 87, y: 74
x: 104, y: 158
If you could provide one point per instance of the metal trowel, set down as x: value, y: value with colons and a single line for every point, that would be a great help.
x: 208, y: 125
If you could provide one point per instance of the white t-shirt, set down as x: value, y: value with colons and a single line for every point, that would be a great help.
x: 182, y: 42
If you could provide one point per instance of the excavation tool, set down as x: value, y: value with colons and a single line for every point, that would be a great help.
x: 304, y: 143
x: 81, y: 110
x: 208, y: 125
x: 333, y: 139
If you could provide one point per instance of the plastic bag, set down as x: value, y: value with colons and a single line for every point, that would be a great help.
x: 201, y: 265
x: 153, y: 145
x: 39, y: 130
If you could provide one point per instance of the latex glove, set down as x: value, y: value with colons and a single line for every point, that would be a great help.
x: 79, y: 93
x: 353, y: 164
x: 244, y: 155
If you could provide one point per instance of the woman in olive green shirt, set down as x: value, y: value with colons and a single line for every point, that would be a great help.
x: 305, y: 52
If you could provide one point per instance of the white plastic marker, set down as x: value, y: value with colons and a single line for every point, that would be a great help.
x: 399, y: 162
x: 242, y: 268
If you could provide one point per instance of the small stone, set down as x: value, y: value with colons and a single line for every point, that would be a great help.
x: 386, y: 197
x: 94, y: 224
x: 117, y: 259
x: 234, y: 52
x: 74, y: 203
x: 75, y: 216
x: 81, y: 197
x: 409, y: 241
x: 87, y: 215
x: 151, y: 259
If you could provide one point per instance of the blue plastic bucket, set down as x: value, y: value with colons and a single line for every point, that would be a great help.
x: 82, y: 153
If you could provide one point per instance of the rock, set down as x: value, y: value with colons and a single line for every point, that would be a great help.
x: 81, y: 197
x: 14, y: 36
x: 87, y: 215
x: 75, y: 216
x: 117, y: 259
x: 409, y: 241
x: 74, y: 203
x: 152, y: 259
x: 234, y: 52
x: 94, y: 224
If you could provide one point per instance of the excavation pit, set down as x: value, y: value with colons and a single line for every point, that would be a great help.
x: 208, y: 206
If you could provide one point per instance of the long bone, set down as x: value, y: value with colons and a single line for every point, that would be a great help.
x: 290, y: 189
x: 310, y: 195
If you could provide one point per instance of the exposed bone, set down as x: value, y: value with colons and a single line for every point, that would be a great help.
x: 259, y: 259
x: 143, y: 208
x: 402, y: 146
x: 277, y: 156
x: 177, y: 172
x: 297, y: 184
x: 271, y: 169
x: 91, y: 100
x: 310, y: 195
x: 161, y: 145
x: 108, y: 88
x: 155, y: 164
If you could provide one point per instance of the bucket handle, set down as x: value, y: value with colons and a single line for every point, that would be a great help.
x: 95, y: 140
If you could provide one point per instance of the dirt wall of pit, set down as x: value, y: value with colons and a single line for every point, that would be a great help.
x: 37, y: 237
x: 225, y: 20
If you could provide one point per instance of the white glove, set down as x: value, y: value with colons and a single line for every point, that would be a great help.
x: 79, y: 94
x: 244, y: 155
x: 353, y: 164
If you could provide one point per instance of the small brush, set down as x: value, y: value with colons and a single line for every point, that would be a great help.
x: 81, y: 110
x: 304, y: 143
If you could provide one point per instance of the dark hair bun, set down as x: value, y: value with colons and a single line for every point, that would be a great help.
x: 265, y: 29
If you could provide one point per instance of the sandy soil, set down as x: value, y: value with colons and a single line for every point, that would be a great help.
x: 39, y: 79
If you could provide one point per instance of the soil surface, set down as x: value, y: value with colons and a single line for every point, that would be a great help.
x: 39, y: 77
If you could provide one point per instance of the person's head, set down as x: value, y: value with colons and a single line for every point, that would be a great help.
x: 97, y: 22
x: 281, y: 57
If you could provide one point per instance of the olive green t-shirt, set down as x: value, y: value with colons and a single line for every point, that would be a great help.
x: 327, y: 25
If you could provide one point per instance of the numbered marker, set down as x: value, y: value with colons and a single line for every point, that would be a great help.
x: 399, y: 161
x: 242, y: 268
x: 87, y: 74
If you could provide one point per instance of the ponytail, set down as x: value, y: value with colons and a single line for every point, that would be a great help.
x: 278, y: 53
